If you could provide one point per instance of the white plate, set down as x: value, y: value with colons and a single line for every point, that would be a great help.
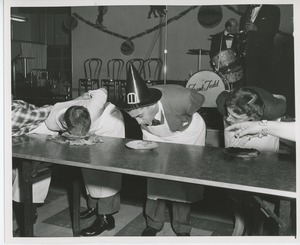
x: 142, y: 145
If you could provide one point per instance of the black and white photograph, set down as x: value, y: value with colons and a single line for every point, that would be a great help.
x: 139, y: 123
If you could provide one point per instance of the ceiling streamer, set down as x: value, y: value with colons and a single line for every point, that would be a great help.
x: 141, y: 34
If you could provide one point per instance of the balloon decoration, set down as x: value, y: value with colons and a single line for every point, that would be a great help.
x: 210, y: 16
x: 70, y: 23
x: 127, y: 47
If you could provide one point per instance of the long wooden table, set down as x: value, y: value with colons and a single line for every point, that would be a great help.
x: 269, y: 173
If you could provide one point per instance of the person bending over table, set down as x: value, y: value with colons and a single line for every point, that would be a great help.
x: 166, y: 114
x: 284, y: 130
x: 91, y: 113
x: 241, y: 105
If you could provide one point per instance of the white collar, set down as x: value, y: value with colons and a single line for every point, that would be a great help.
x: 160, y: 112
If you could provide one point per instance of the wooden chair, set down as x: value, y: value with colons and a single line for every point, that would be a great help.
x: 151, y: 70
x: 137, y: 63
x: 114, y: 72
x: 92, y: 68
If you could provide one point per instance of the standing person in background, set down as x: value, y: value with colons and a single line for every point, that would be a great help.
x: 260, y: 23
x: 166, y: 114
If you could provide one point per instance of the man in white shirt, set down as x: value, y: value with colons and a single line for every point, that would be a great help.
x: 166, y: 113
x: 103, y: 188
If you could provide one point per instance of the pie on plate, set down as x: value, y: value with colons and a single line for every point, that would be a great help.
x: 69, y: 136
x: 76, y: 140
x: 142, y: 145
x: 241, y: 152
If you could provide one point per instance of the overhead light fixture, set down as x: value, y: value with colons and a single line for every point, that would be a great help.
x: 18, y: 18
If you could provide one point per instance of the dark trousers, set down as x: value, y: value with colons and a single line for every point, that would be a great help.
x: 155, y: 215
x: 106, y: 205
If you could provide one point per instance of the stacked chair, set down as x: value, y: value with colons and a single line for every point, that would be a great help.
x: 92, y: 68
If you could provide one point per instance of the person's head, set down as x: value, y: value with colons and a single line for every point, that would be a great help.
x: 144, y: 115
x: 78, y: 120
x: 231, y: 26
x: 242, y: 105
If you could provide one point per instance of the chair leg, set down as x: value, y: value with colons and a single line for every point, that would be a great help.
x: 239, y: 219
x: 79, y: 89
x: 259, y: 221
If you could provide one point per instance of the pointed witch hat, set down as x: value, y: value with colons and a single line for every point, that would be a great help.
x: 137, y: 92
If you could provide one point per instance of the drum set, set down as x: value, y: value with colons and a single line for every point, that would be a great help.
x: 227, y: 71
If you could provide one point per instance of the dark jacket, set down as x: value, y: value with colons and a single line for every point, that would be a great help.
x: 267, y: 23
x: 216, y: 46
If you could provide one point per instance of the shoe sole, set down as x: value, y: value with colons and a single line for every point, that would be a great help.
x: 108, y: 229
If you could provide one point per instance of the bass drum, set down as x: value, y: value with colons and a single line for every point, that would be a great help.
x: 209, y: 84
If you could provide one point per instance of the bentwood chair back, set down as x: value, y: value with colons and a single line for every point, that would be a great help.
x: 114, y: 72
x: 152, y: 70
x: 137, y: 63
x: 92, y: 69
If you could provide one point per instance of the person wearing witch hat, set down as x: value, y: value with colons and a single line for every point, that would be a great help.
x: 166, y: 113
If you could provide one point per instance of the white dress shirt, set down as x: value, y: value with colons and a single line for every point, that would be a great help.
x: 255, y: 12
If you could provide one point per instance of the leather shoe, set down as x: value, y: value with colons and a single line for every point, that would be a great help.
x: 183, y: 234
x: 88, y: 213
x: 102, y: 223
x: 149, y: 231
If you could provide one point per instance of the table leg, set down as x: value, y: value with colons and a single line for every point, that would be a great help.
x: 76, y: 203
x: 285, y: 215
x: 26, y: 169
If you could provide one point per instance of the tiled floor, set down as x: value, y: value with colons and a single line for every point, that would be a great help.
x: 208, y: 218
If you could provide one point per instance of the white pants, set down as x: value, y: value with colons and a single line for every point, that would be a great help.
x: 41, y: 184
x: 40, y: 187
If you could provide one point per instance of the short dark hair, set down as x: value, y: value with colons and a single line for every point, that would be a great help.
x: 246, y: 101
x: 78, y: 120
x: 230, y: 22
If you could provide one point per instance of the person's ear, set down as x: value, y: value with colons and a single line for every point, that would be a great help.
x: 62, y: 121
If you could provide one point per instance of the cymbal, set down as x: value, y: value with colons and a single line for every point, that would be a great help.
x: 197, y: 51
